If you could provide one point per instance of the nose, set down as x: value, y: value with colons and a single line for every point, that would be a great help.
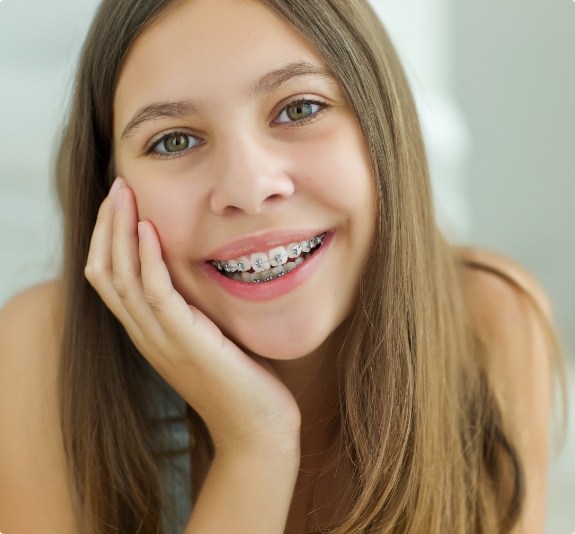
x: 250, y: 177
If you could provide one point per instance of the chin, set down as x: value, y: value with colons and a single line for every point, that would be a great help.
x: 273, y: 348
x: 274, y: 351
x: 286, y: 343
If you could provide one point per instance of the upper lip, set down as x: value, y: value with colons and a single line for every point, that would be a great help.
x: 261, y: 243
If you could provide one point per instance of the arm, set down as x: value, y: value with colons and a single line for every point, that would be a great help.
x: 246, y: 494
x: 252, y: 418
x: 512, y: 317
x: 34, y: 492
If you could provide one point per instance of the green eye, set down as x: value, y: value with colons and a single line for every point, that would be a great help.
x: 300, y: 111
x: 176, y: 142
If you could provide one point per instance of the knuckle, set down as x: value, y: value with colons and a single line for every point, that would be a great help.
x: 156, y: 301
x: 93, y: 273
x: 89, y: 273
x: 101, y: 215
x: 120, y: 286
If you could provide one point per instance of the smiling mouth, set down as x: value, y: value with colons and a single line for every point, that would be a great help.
x: 267, y: 266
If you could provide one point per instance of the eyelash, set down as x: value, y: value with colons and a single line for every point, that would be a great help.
x: 149, y: 150
x: 311, y: 118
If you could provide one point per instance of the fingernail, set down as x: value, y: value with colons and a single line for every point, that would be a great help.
x: 141, y: 230
x: 116, y: 186
x: 116, y: 191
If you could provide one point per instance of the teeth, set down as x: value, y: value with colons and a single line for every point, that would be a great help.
x: 269, y: 274
x: 265, y: 276
x: 261, y: 262
x: 294, y: 250
x: 257, y: 277
x: 245, y: 264
x: 230, y: 267
x: 278, y: 271
x: 278, y: 256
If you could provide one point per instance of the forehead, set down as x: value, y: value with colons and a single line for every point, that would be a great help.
x: 208, y: 49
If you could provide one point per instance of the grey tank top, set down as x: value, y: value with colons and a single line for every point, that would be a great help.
x: 177, y: 470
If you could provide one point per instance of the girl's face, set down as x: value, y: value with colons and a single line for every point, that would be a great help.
x: 240, y: 148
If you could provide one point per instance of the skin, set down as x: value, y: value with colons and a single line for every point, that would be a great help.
x: 267, y: 408
x: 248, y: 169
x: 253, y: 171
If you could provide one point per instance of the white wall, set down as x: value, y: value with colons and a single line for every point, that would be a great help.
x: 421, y: 32
x: 514, y: 79
x: 39, y: 42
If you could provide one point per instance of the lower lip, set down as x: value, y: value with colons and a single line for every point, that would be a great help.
x: 276, y: 288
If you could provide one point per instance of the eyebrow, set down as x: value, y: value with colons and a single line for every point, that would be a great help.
x: 184, y: 108
x: 159, y: 110
x: 275, y: 79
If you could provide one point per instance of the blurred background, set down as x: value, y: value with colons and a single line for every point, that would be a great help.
x: 495, y: 86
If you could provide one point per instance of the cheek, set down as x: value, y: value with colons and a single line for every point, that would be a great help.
x: 172, y: 208
x: 338, y: 171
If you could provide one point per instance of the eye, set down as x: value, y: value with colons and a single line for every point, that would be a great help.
x: 300, y: 111
x: 173, y: 144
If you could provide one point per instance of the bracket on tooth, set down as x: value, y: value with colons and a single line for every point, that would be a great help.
x: 315, y: 241
x: 231, y: 267
x: 279, y: 259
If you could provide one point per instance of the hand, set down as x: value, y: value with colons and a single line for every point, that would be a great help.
x: 244, y: 406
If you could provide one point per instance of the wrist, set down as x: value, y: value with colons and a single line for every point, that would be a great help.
x: 248, y: 490
x: 281, y: 443
x: 286, y: 451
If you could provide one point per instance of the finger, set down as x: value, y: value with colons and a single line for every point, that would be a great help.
x: 98, y: 270
x: 172, y: 312
x: 99, y: 257
x: 157, y: 285
x: 125, y: 259
x: 126, y: 277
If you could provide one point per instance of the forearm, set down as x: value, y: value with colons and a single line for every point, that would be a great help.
x: 245, y: 494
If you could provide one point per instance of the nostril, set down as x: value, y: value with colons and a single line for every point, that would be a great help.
x: 249, y: 192
x: 275, y: 197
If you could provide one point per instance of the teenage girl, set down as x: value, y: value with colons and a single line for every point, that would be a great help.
x: 250, y: 250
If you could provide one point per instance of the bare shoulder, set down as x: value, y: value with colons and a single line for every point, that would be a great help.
x: 506, y: 270
x: 34, y: 494
x: 30, y: 324
x: 514, y: 315
x: 40, y: 300
x: 512, y: 312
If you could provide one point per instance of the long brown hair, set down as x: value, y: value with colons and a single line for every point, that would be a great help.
x: 420, y: 426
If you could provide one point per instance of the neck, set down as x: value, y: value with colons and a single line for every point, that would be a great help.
x: 315, y: 383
